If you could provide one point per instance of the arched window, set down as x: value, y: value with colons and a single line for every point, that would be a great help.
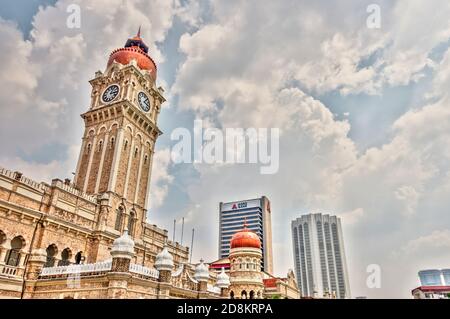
x: 232, y: 294
x: 88, y: 148
x: 125, y: 145
x: 111, y: 144
x: 51, y: 250
x: 100, y: 146
x: 131, y: 223
x: 243, y: 294
x: 78, y: 257
x: 252, y: 294
x: 145, y: 159
x: 65, y: 257
x: 136, y: 151
x: 13, y: 257
x: 119, y: 219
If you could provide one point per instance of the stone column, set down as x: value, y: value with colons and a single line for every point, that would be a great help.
x: 35, y: 264
x: 118, y: 285
x: 225, y: 293
x: 122, y: 252
x: 165, y: 276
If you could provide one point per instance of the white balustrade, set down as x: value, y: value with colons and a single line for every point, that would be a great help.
x: 77, y: 269
x: 9, y: 271
x: 141, y: 270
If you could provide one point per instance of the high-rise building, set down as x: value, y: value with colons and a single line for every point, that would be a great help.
x: 435, y: 277
x: 257, y: 214
x: 319, y: 256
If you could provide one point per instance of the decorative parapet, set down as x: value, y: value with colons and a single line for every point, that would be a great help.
x: 22, y: 179
x: 72, y: 190
x: 99, y: 267
x: 7, y: 173
x: 144, y: 271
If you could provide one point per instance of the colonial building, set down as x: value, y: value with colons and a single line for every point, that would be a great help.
x: 76, y: 223
x: 91, y: 238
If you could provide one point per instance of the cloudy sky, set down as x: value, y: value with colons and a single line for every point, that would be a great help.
x: 364, y: 114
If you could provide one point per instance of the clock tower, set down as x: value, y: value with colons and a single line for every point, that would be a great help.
x: 121, y: 129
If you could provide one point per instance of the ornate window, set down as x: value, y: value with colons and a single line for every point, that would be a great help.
x: 13, y: 257
x: 131, y: 223
x: 119, y: 219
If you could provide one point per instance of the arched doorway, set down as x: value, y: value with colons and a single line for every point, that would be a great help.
x: 51, y: 250
x: 65, y: 257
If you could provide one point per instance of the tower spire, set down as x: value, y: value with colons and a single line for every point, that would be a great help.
x: 139, y: 32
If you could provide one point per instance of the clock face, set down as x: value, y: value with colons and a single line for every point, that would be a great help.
x: 110, y: 93
x: 144, y: 102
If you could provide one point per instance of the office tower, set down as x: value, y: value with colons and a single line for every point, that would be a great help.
x: 257, y: 214
x: 319, y: 256
x: 435, y: 277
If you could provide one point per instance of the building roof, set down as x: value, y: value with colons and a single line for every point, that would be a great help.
x: 245, y: 238
x: 134, y: 49
x: 433, y: 289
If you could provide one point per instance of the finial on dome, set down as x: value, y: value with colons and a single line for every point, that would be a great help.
x: 139, y: 32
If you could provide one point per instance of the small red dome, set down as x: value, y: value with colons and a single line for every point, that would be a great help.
x: 245, y: 238
x: 136, y: 49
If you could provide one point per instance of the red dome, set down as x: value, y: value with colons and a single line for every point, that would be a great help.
x: 245, y: 238
x: 135, y: 49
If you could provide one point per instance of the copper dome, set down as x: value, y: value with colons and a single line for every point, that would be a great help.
x: 245, y: 238
x: 136, y: 49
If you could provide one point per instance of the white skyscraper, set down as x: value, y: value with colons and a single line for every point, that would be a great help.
x: 319, y: 256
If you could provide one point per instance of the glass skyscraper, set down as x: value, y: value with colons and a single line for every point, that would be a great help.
x: 319, y: 256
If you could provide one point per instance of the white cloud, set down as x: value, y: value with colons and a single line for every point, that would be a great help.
x: 246, y: 68
x: 438, y: 240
